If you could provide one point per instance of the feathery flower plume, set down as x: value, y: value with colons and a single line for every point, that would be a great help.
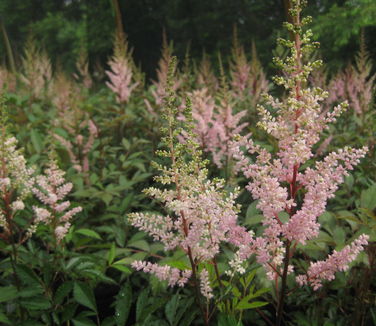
x: 79, y: 148
x: 201, y: 214
x: 16, y: 179
x: 205, y: 75
x: 276, y: 181
x: 359, y: 81
x: 121, y: 75
x: 247, y: 78
x: 51, y: 190
x: 82, y: 66
x: 37, y: 69
x: 159, y: 86
x: 257, y: 82
x: 239, y: 66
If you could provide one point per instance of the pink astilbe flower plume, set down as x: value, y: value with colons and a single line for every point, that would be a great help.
x: 247, y: 78
x: 158, y: 89
x: 121, y: 74
x: 239, y: 66
x: 201, y: 213
x: 205, y: 75
x: 296, y: 123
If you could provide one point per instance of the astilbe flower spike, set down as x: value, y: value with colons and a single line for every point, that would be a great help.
x: 247, y: 78
x: 16, y: 182
x: 82, y: 66
x: 159, y: 86
x: 202, y: 214
x: 51, y: 190
x: 121, y: 75
x: 37, y: 71
x: 275, y: 181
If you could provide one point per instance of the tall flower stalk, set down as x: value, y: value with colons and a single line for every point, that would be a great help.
x: 281, y: 184
x: 201, y: 214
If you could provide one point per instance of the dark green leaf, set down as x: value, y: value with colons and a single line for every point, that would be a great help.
x: 123, y: 304
x: 84, y: 295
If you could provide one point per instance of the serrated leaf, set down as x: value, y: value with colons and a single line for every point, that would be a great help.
x: 8, y: 293
x: 62, y: 291
x: 235, y: 291
x: 140, y: 244
x: 82, y: 321
x: 84, y: 295
x: 89, y: 233
x: 31, y: 291
x: 178, y: 264
x: 141, y: 303
x: 244, y: 304
x: 111, y: 254
x: 122, y: 268
x: 171, y: 308
x: 368, y: 198
x: 123, y: 305
x: 37, y: 303
x: 4, y: 319
x: 36, y: 140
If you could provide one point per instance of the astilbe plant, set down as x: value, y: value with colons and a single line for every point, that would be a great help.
x: 120, y: 73
x: 51, y: 190
x: 247, y: 78
x: 16, y: 182
x: 282, y: 183
x: 359, y: 83
x: 215, y: 124
x: 82, y: 130
x: 201, y: 214
x: 7, y: 80
x: 37, y: 70
x: 158, y: 90
x: 82, y: 66
x: 205, y: 76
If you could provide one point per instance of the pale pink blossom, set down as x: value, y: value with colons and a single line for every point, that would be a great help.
x: 337, y: 261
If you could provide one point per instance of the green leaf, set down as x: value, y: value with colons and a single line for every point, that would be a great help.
x: 31, y: 291
x: 36, y: 140
x: 141, y: 303
x: 111, y: 254
x: 62, y: 291
x: 227, y: 320
x: 82, y: 321
x: 84, y: 295
x: 339, y: 236
x: 252, y: 210
x: 123, y: 305
x: 368, y: 198
x: 122, y: 268
x: 8, y: 293
x: 140, y: 244
x: 244, y: 304
x: 4, y: 319
x: 182, y: 311
x: 178, y: 264
x: 89, y: 233
x: 36, y: 303
x: 171, y: 308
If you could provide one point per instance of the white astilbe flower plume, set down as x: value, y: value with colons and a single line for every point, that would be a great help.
x: 51, y: 190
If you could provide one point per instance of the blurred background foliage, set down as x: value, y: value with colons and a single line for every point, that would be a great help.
x: 64, y: 27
